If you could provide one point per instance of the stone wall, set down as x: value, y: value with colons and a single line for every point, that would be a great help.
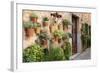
x: 83, y: 18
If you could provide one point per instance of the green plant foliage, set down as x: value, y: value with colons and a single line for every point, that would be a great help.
x: 89, y: 41
x: 43, y: 35
x: 85, y: 28
x: 65, y: 36
x: 46, y: 56
x: 67, y: 50
x: 70, y: 35
x: 38, y: 25
x: 45, y: 19
x: 83, y: 41
x: 35, y: 25
x: 34, y: 15
x: 86, y: 35
x: 58, y: 33
x: 66, y: 22
x: 31, y: 25
x: 33, y: 53
x: 89, y: 30
x: 28, y: 24
x: 56, y: 54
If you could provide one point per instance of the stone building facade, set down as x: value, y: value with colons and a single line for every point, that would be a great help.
x: 76, y: 20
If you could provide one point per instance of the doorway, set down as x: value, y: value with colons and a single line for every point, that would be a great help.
x: 75, y: 20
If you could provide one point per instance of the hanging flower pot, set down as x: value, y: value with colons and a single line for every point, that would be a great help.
x: 44, y: 42
x: 29, y: 30
x: 65, y: 29
x: 43, y: 36
x: 59, y: 40
x: 58, y: 35
x: 45, y: 21
x: 37, y: 28
x: 34, y: 18
x: 56, y: 38
x: 65, y: 23
x: 66, y: 37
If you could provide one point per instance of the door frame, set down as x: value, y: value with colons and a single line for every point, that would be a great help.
x: 75, y: 51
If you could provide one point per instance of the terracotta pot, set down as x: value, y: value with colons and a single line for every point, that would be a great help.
x: 33, y: 19
x: 59, y: 40
x: 65, y: 29
x: 29, y: 32
x: 45, y: 23
x: 44, y: 43
x: 56, y: 38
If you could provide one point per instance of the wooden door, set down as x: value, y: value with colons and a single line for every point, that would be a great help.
x: 74, y: 34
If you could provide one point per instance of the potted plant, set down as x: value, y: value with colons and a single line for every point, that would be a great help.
x: 33, y: 53
x: 65, y: 23
x: 37, y: 27
x: 43, y: 37
x: 65, y: 37
x: 56, y: 54
x: 67, y: 50
x: 29, y: 29
x: 33, y: 18
x: 58, y: 35
x: 45, y: 21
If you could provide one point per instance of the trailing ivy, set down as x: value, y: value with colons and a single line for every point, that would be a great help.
x: 86, y: 35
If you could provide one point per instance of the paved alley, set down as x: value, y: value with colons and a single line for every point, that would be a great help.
x: 85, y: 55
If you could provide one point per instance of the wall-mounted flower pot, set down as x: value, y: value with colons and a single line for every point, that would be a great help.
x: 29, y: 32
x: 34, y: 19
x: 56, y: 38
x: 44, y: 43
x: 59, y: 40
x: 65, y: 29
x: 66, y: 24
x: 45, y: 23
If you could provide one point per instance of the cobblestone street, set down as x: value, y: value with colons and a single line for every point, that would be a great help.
x: 84, y: 56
